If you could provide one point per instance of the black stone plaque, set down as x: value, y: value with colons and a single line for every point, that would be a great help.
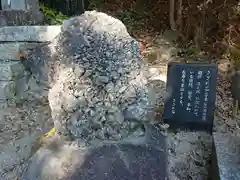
x: 192, y: 92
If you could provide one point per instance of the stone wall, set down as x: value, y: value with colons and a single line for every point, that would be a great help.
x: 13, y: 39
x: 20, y: 17
x: 20, y: 12
x: 19, y: 4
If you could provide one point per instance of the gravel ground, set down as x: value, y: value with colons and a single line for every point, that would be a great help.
x: 21, y: 125
x: 18, y: 122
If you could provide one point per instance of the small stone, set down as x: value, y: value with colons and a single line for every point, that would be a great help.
x: 164, y: 126
x: 122, y: 89
x: 114, y: 75
x: 118, y: 116
x: 87, y: 73
x: 120, y: 70
x: 133, y: 113
x: 139, y: 132
x: 72, y: 103
x: 184, y: 147
x: 102, y: 79
x: 113, y: 109
x: 133, y: 125
x: 109, y: 87
x: 78, y: 71
x: 82, y: 101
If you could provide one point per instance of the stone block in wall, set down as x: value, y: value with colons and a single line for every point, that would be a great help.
x: 7, y: 90
x: 32, y: 4
x: 28, y: 47
x: 10, y: 70
x: 30, y: 89
x: 20, y: 4
x: 29, y: 33
x: 20, y: 17
x: 13, y: 4
x: 8, y: 51
x: 3, y: 103
x: 21, y: 88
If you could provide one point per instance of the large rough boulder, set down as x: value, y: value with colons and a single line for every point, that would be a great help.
x: 97, y: 78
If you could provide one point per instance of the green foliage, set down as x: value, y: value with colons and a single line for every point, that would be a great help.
x: 128, y: 17
x: 95, y: 4
x: 131, y: 19
x: 191, y: 51
x: 51, y: 16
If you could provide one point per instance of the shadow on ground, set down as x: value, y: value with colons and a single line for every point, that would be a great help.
x: 144, y: 159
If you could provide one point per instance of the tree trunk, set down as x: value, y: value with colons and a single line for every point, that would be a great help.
x: 172, y: 14
x: 142, y: 4
x: 179, y: 16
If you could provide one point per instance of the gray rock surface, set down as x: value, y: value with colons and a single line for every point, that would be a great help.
x: 227, y: 156
x: 7, y: 89
x: 34, y: 85
x: 97, y: 78
x: 180, y: 156
x: 21, y: 125
x: 10, y: 70
x: 113, y: 161
x: 29, y: 33
x: 20, y: 17
x: 8, y: 51
x: 188, y: 155
x: 143, y: 158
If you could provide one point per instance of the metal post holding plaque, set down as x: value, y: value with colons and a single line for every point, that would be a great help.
x: 192, y: 93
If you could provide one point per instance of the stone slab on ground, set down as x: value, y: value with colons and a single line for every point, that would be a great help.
x: 10, y: 70
x: 8, y: 51
x: 227, y: 156
x: 7, y: 89
x: 113, y: 161
x: 29, y: 33
x: 138, y: 158
x: 180, y: 156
